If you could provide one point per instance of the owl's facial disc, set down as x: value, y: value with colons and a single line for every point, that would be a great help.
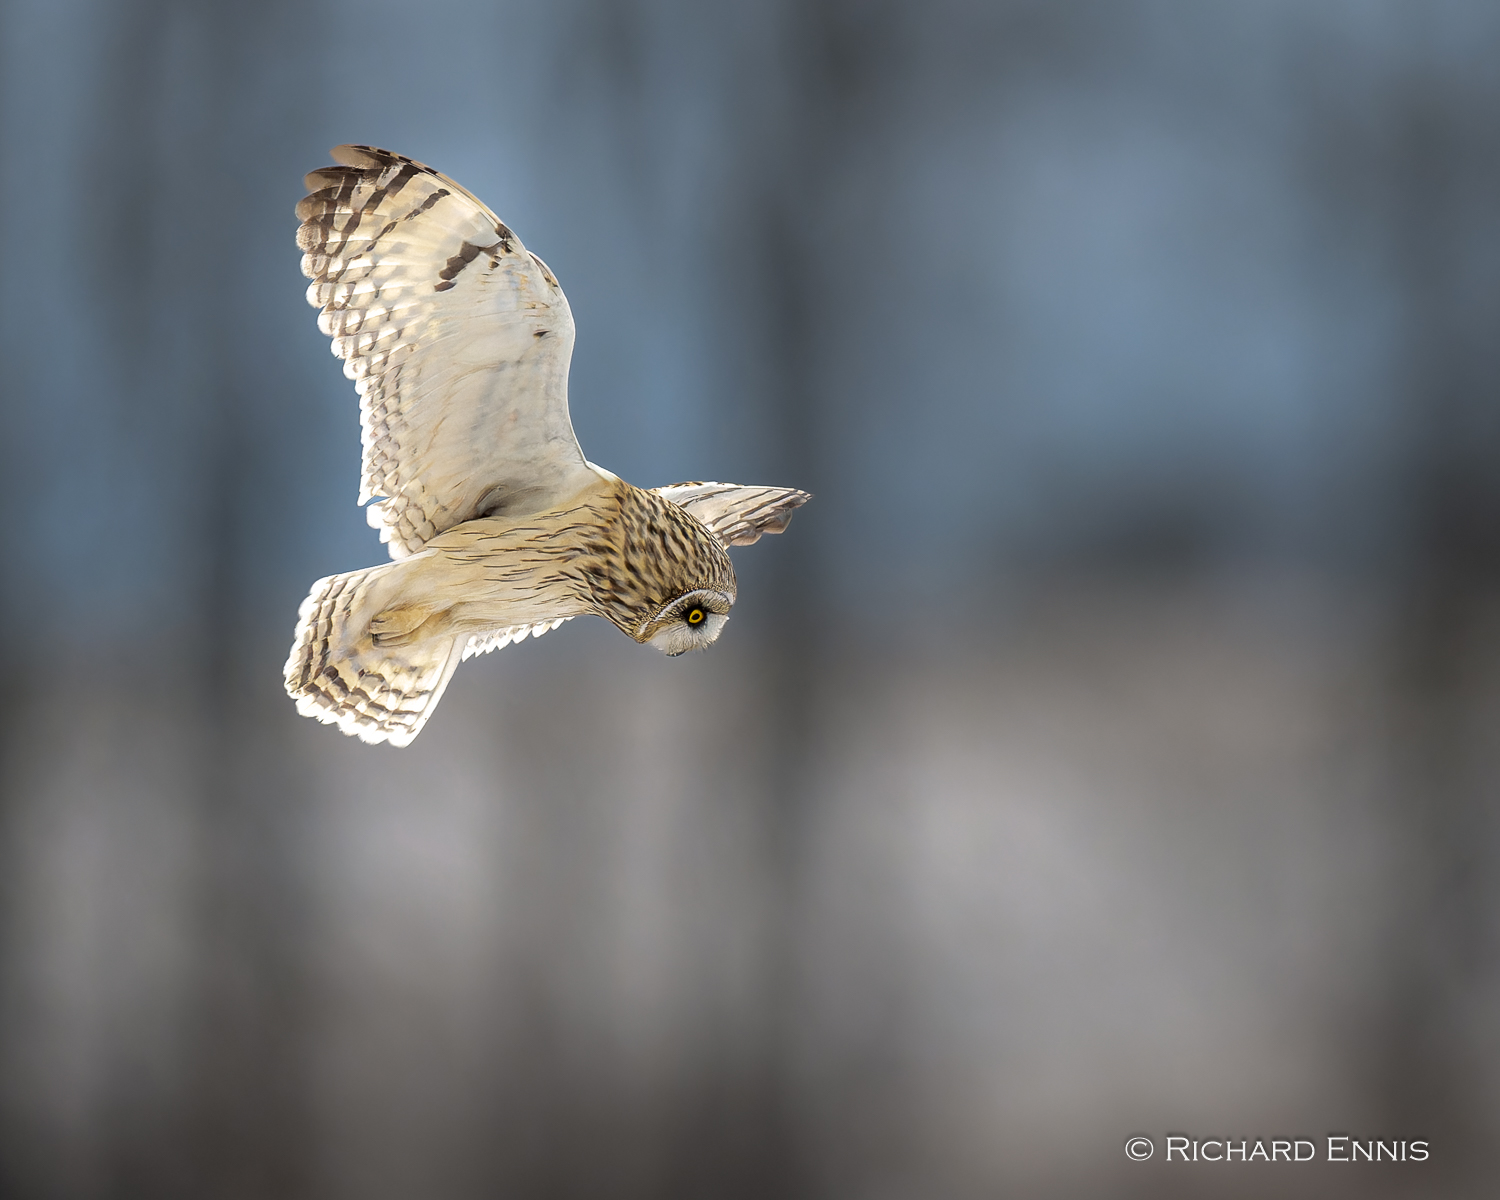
x: 690, y: 622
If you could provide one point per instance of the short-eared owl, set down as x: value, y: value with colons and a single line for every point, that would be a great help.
x: 458, y: 340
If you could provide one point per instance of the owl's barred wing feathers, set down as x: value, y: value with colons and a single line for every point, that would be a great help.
x: 339, y: 677
x: 375, y: 649
x: 458, y: 340
x: 737, y: 514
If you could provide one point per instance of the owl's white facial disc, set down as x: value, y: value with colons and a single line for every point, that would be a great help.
x: 690, y: 622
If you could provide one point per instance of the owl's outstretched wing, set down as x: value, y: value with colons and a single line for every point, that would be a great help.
x: 361, y: 661
x: 458, y: 340
x: 736, y: 514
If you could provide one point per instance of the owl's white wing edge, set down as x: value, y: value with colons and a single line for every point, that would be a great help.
x: 483, y: 643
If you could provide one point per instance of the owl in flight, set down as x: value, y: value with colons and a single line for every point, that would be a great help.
x: 458, y: 340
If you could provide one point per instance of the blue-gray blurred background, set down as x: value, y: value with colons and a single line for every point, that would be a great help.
x: 1109, y: 748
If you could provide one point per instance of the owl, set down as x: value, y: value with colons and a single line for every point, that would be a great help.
x: 458, y: 340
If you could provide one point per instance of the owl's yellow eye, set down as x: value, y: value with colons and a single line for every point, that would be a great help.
x: 696, y: 616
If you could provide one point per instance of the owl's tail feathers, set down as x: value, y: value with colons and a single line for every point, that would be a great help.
x: 337, y: 675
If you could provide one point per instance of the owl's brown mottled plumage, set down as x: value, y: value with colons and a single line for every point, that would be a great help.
x: 458, y: 340
x: 649, y: 552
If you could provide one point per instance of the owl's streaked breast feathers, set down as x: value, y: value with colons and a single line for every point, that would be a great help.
x: 458, y: 340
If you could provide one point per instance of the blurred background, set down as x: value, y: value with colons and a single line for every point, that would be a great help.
x: 1110, y: 748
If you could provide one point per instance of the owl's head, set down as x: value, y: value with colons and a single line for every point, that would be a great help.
x: 690, y: 622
